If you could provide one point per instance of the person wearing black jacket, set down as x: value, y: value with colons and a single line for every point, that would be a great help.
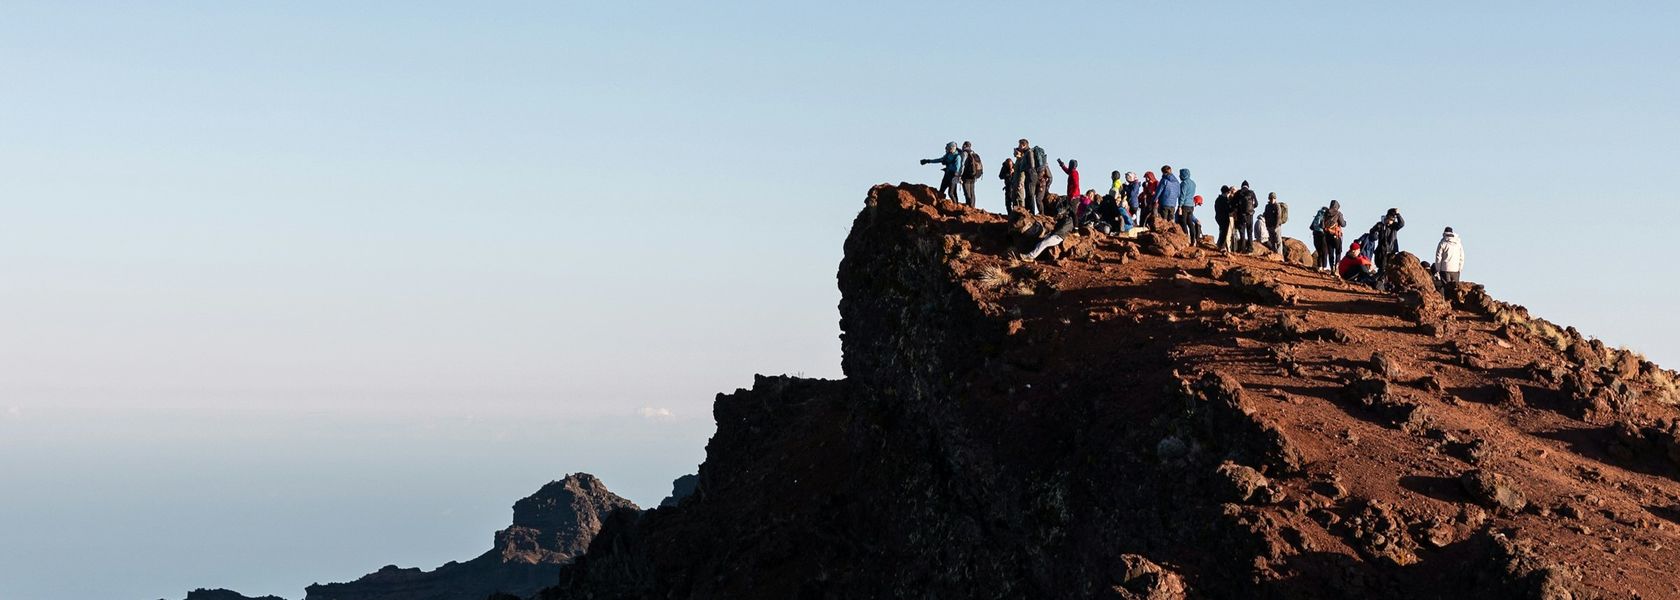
x: 1330, y: 223
x: 1243, y: 214
x: 1388, y: 237
x: 1222, y: 215
x: 972, y: 169
x: 1064, y: 227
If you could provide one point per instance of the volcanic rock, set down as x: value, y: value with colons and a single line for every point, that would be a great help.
x: 549, y: 528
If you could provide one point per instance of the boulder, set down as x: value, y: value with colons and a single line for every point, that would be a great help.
x: 1416, y: 288
x: 1298, y: 252
x: 1138, y: 578
x: 1493, y: 491
x: 1239, y: 483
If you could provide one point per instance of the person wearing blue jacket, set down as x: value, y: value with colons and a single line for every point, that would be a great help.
x: 952, y: 161
x: 1187, y: 205
x: 1166, y: 196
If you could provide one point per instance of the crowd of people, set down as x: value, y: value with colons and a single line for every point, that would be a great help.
x: 1170, y: 197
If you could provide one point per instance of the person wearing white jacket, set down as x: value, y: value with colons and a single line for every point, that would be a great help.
x: 1449, y: 257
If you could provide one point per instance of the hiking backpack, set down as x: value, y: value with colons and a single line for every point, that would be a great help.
x: 1040, y: 159
x: 974, y: 167
x: 1283, y: 214
x: 1318, y: 220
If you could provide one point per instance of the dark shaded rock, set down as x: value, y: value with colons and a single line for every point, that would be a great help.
x: 681, y: 488
x: 1238, y: 483
x: 549, y: 528
x: 221, y: 594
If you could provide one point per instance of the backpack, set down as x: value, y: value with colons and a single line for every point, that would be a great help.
x: 973, y: 167
x: 1040, y: 159
x: 1318, y: 221
x: 1283, y: 213
x: 1331, y: 226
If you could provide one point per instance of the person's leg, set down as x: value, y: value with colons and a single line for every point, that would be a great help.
x: 1277, y: 244
x: 946, y: 188
x: 1043, y: 245
x: 1335, y: 251
x: 968, y: 192
x: 1450, y: 276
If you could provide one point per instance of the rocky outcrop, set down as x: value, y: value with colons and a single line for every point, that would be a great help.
x: 549, y: 528
x: 221, y: 594
x: 682, y: 487
x: 1141, y: 423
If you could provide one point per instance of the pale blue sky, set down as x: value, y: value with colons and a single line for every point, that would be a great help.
x: 278, y: 275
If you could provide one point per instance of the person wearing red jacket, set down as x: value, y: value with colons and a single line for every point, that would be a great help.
x: 1357, y: 267
x: 1072, y: 169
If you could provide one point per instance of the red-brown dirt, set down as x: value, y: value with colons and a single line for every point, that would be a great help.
x: 1144, y: 419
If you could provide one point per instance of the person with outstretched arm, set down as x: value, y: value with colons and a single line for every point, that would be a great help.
x: 1071, y: 168
x: 952, y: 163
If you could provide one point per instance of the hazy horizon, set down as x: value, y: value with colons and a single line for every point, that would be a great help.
x: 296, y: 291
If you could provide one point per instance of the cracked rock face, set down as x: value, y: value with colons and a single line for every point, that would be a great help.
x: 1138, y: 419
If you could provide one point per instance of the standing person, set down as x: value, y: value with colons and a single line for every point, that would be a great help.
x: 1072, y: 170
x: 1150, y: 186
x: 1449, y: 256
x: 1222, y: 218
x: 1134, y: 191
x: 1011, y: 191
x: 1042, y: 161
x: 1242, y: 217
x: 1118, y: 189
x: 1332, y: 228
x: 972, y: 169
x: 1388, y: 243
x: 952, y: 162
x: 1277, y: 213
x: 1028, y: 172
x: 1187, y: 206
x: 1167, y: 194
x: 1317, y: 229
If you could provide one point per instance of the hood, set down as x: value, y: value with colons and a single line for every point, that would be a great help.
x: 1450, y: 235
x: 1184, y: 174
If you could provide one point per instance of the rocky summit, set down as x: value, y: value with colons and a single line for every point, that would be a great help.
x: 1145, y: 418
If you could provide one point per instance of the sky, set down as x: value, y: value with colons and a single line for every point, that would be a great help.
x: 291, y: 291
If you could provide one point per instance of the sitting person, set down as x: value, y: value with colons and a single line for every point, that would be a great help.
x: 1115, y: 217
x: 1357, y: 267
x: 1064, y: 227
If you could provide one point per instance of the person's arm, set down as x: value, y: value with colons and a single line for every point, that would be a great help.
x: 1440, y: 255
x: 1399, y: 221
x: 1063, y: 165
